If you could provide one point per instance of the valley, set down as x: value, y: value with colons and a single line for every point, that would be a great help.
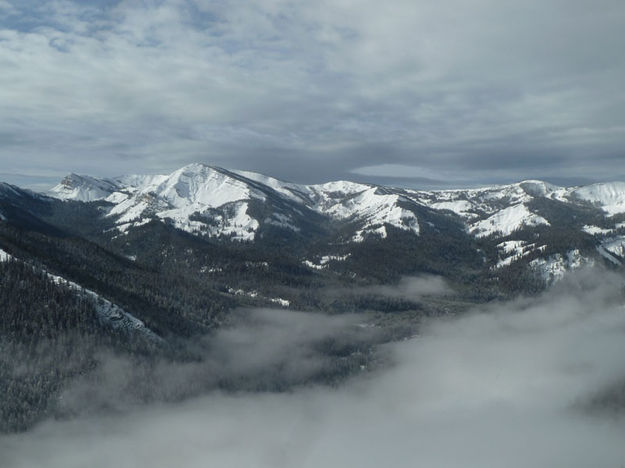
x: 157, y: 264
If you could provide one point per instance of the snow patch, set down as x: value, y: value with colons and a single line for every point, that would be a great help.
x: 325, y: 260
x: 555, y: 267
x: 281, y: 302
x: 255, y: 294
x: 462, y: 208
x: 83, y: 188
x: 506, y: 221
x: 117, y: 198
x: 337, y: 258
x: 609, y: 196
x: 605, y: 254
x: 206, y: 269
x: 515, y: 250
x: 361, y: 235
x: 108, y: 312
x: 615, y: 245
x: 595, y: 230
x: 512, y: 251
x: 310, y: 264
x: 4, y: 256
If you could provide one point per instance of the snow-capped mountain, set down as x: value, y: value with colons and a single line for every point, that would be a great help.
x: 217, y: 202
x: 241, y: 205
x: 144, y: 262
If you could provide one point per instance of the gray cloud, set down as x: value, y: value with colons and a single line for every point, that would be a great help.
x: 511, y: 384
x: 259, y: 350
x: 414, y: 287
x: 487, y: 91
x: 411, y: 288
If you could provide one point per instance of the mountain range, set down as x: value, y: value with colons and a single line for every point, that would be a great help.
x: 547, y: 228
x: 147, y: 265
x: 216, y: 203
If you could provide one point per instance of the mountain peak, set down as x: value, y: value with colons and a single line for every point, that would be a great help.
x: 203, y: 185
x: 538, y: 188
x: 83, y: 188
x: 197, y: 168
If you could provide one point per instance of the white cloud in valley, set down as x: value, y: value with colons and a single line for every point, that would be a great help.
x: 525, y: 383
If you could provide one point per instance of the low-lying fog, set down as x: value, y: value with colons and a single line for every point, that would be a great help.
x: 531, y: 383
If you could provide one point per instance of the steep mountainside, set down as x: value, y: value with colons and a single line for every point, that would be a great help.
x: 238, y: 205
x: 251, y: 237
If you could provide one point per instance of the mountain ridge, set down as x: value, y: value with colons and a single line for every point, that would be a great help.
x: 137, y: 259
x: 196, y: 188
x: 530, y: 224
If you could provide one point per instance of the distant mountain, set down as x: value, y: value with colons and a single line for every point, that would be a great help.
x: 259, y: 239
x: 238, y: 205
x: 220, y: 203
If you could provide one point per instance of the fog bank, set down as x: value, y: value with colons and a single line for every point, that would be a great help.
x: 507, y: 385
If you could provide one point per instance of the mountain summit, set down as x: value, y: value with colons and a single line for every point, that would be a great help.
x: 218, y: 202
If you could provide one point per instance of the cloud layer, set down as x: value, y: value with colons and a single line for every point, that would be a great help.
x: 456, y: 92
x: 509, y: 385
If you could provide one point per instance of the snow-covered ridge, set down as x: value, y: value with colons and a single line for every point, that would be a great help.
x: 555, y: 267
x: 218, y: 202
x: 109, y: 314
x: 507, y: 221
x: 609, y: 196
x: 83, y: 188
x: 8, y: 190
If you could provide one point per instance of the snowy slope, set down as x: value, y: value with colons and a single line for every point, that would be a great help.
x: 368, y: 205
x: 217, y: 202
x: 615, y: 246
x: 190, y: 191
x: 506, y: 221
x: 609, y: 196
x: 555, y: 267
x: 83, y: 188
x: 109, y: 314
x: 295, y: 192
x: 513, y: 250
x: 5, y: 257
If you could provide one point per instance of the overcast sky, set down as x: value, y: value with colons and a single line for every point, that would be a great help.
x: 424, y: 93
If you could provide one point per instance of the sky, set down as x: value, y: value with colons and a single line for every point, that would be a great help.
x: 515, y: 384
x: 418, y: 93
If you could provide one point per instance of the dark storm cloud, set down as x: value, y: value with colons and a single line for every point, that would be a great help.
x: 479, y: 92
